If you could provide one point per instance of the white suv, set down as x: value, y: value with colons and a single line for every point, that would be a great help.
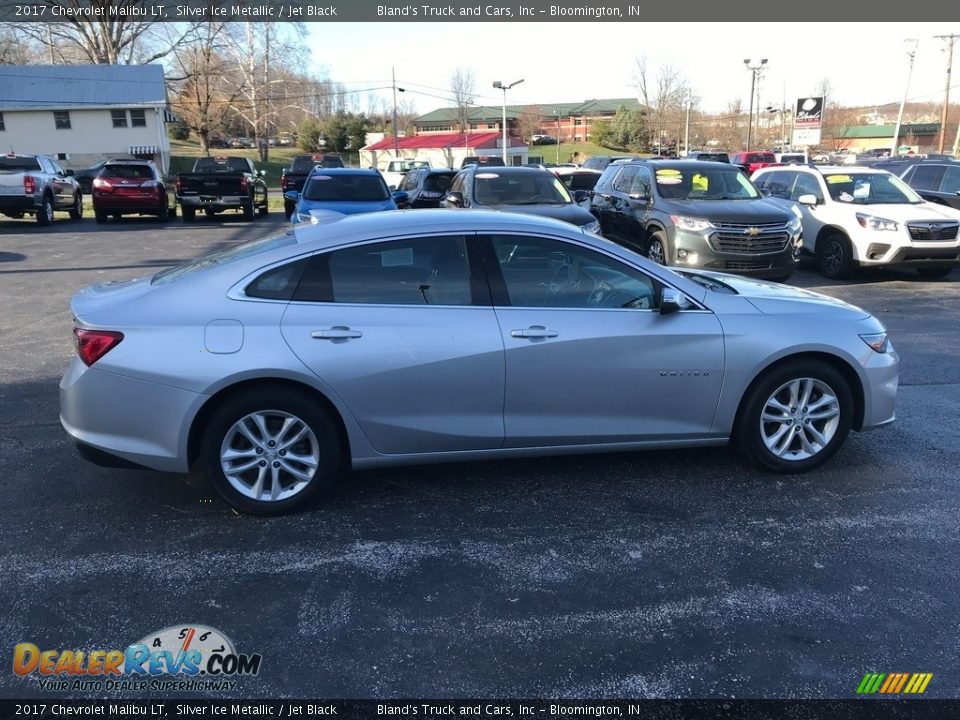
x: 858, y: 217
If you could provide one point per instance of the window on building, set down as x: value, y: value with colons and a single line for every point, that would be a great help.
x: 61, y: 118
x: 578, y: 121
x: 2, y: 126
x: 119, y: 118
x: 138, y: 118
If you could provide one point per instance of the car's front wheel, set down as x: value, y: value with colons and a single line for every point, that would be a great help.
x: 795, y: 417
x: 270, y: 451
x: 835, y: 257
x: 76, y: 212
x: 657, y: 248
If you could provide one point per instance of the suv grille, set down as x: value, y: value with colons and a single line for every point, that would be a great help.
x: 933, y: 231
x: 749, y: 238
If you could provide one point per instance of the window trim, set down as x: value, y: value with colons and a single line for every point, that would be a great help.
x: 138, y: 122
x: 119, y: 119
x: 58, y: 121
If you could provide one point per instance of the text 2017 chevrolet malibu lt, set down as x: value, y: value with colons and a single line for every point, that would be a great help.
x: 429, y: 335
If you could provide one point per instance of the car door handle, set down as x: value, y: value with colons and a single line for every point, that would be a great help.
x: 339, y: 332
x: 534, y: 332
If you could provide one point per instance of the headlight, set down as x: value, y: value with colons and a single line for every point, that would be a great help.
x: 592, y: 227
x: 876, y: 223
x: 794, y: 225
x: 876, y: 341
x: 691, y: 223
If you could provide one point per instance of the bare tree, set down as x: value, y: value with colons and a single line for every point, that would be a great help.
x: 107, y: 39
x: 463, y: 88
x: 15, y: 49
x: 664, y: 95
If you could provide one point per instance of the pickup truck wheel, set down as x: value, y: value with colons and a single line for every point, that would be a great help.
x: 77, y: 211
x: 189, y: 214
x: 248, y: 210
x: 100, y: 216
x: 835, y: 256
x: 288, y: 208
x: 210, y: 212
x: 265, y: 208
x: 45, y: 212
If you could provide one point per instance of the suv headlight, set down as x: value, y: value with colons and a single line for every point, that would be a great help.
x: 693, y: 224
x: 872, y: 222
x: 876, y: 341
x: 795, y: 225
x: 592, y: 227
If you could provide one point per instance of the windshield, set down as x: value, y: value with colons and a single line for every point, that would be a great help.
x: 522, y: 188
x: 704, y: 183
x: 225, y: 255
x: 870, y: 189
x: 349, y: 188
x: 221, y: 165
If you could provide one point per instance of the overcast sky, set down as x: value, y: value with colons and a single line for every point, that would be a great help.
x: 866, y: 63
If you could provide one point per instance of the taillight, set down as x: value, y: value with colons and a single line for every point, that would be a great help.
x: 244, y: 184
x: 29, y: 184
x: 101, y: 184
x: 179, y: 187
x: 149, y: 184
x: 94, y: 344
x: 283, y: 182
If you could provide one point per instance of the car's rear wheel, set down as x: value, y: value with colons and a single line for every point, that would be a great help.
x: 270, y: 451
x: 189, y: 214
x: 100, y: 216
x: 76, y: 212
x: 657, y: 248
x: 934, y: 273
x: 164, y: 214
x: 795, y: 417
x: 210, y: 212
x: 265, y: 208
x: 45, y: 211
x: 248, y: 210
x: 288, y: 209
x: 835, y: 257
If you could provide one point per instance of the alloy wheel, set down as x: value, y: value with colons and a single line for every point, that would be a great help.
x: 800, y: 419
x: 656, y: 252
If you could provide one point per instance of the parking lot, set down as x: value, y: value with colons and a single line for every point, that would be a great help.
x: 665, y: 574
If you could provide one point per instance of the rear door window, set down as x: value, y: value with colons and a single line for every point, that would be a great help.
x: 926, y: 177
x: 951, y: 180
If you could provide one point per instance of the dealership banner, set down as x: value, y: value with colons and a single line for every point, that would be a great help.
x: 807, y: 121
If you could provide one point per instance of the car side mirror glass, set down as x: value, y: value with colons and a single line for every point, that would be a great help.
x: 400, y: 196
x: 291, y: 195
x: 580, y: 195
x: 672, y: 300
x: 809, y: 199
x: 454, y: 199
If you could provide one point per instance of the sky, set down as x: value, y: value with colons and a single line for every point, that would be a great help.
x: 866, y: 63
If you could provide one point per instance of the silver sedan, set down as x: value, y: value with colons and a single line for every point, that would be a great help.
x: 428, y: 336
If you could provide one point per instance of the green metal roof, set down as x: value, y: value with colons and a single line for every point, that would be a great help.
x: 886, y: 131
x: 545, y: 110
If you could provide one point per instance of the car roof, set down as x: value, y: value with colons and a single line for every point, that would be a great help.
x: 503, y: 168
x: 344, y: 171
x: 674, y: 162
x: 822, y: 169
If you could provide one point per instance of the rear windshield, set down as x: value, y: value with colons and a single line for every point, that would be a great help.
x: 126, y: 171
x: 225, y: 255
x: 761, y: 158
x: 346, y: 188
x: 221, y: 165
x: 717, y: 157
x: 306, y: 163
x: 580, y: 181
x: 19, y: 163
x: 438, y: 183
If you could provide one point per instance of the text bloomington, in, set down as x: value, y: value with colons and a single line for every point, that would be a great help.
x: 452, y: 11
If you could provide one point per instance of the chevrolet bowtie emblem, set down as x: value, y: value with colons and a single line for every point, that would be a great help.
x: 751, y: 231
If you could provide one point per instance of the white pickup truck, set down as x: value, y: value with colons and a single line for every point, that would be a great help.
x: 396, y: 169
x: 37, y: 185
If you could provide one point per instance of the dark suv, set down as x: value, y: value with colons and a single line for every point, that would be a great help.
x: 937, y: 182
x: 695, y: 213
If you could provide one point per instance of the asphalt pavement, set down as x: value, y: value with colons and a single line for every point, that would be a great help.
x: 661, y: 574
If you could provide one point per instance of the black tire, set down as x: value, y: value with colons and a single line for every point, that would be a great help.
x: 164, y: 214
x: 189, y: 214
x: 210, y: 213
x: 247, y: 210
x: 934, y: 273
x: 76, y: 212
x: 45, y: 212
x: 117, y: 216
x: 264, y: 209
x: 656, y: 248
x: 750, y: 431
x: 275, y: 403
x: 173, y: 209
x: 288, y: 208
x: 835, y: 257
x: 100, y: 216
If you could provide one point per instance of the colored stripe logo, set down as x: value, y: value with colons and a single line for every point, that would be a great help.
x: 894, y: 683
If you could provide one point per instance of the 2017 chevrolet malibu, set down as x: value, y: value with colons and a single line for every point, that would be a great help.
x: 424, y: 336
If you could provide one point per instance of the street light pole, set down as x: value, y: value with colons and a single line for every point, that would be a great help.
x: 754, y: 71
x: 500, y: 86
x: 911, y: 53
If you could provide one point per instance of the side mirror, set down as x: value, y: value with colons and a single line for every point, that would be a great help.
x: 400, y: 197
x: 71, y: 173
x: 262, y: 173
x: 392, y: 188
x: 672, y: 300
x: 291, y: 195
x: 453, y: 199
x: 580, y: 195
x: 637, y: 197
x: 809, y: 199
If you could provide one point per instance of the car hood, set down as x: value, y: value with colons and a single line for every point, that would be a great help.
x: 732, y: 211
x: 568, y: 212
x: 905, y: 212
x: 347, y: 207
x: 775, y: 299
x: 106, y: 294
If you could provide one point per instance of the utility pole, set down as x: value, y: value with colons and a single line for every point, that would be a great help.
x: 686, y: 130
x: 754, y: 70
x: 501, y: 86
x: 911, y: 53
x: 396, y: 134
x: 949, y: 40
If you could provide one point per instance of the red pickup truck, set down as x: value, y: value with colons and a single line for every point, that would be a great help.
x: 753, y: 160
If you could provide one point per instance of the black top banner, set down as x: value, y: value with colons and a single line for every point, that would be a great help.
x: 639, y: 11
x: 155, y: 709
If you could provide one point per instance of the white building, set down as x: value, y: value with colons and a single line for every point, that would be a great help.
x: 81, y: 114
